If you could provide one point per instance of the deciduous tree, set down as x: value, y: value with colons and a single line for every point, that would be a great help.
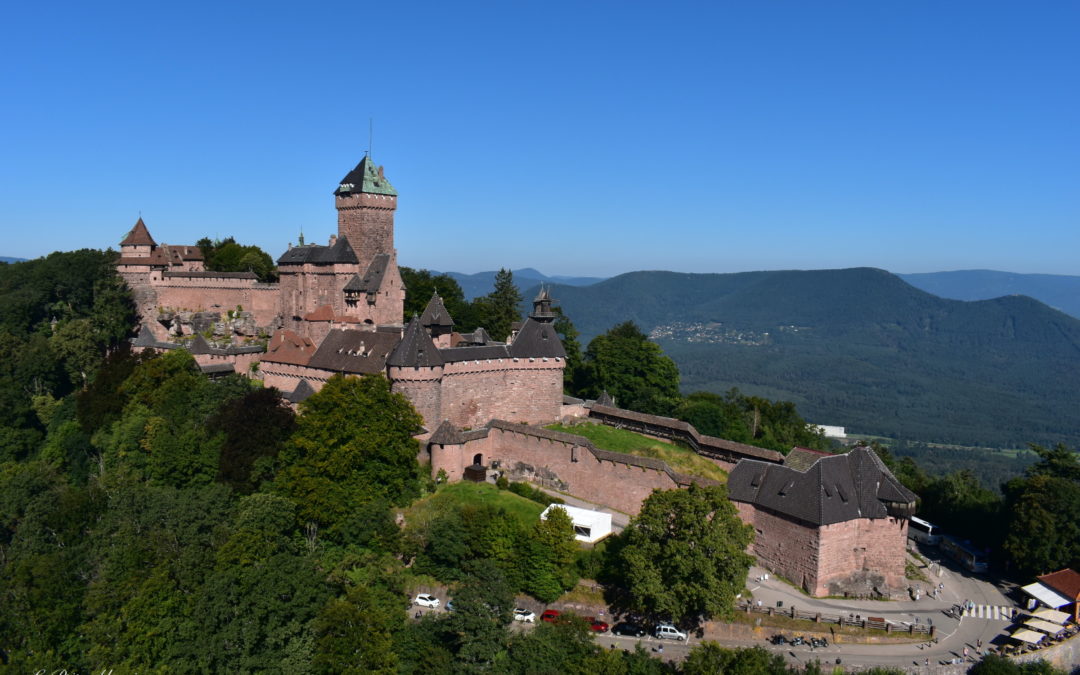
x: 684, y: 555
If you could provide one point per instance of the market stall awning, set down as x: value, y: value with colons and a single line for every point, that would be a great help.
x: 1045, y: 595
x: 1029, y: 636
x: 1051, y: 615
x: 1044, y: 626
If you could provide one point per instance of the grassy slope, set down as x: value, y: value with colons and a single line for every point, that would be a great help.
x: 620, y: 440
x: 469, y: 493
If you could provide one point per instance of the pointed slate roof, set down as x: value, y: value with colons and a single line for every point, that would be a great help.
x: 366, y: 177
x: 833, y: 489
x: 537, y: 339
x: 435, y: 313
x: 447, y: 434
x: 199, y: 345
x: 416, y: 349
x: 139, y: 236
x: 340, y: 253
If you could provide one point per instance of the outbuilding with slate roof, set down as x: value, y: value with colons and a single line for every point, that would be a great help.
x: 833, y: 524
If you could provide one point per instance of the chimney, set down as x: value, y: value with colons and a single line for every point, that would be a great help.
x: 333, y: 239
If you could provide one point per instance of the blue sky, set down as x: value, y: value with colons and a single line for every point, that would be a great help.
x: 586, y: 138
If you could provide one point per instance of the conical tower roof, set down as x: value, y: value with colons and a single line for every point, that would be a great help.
x: 416, y: 349
x: 366, y: 177
x: 139, y: 236
x: 435, y: 313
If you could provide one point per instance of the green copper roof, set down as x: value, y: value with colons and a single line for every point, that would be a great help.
x: 366, y: 177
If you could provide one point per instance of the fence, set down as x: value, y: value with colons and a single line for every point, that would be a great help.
x: 854, y: 621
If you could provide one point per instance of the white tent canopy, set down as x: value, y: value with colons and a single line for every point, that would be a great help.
x: 1051, y: 615
x: 1044, y: 626
x: 1046, y: 595
x: 1030, y: 636
x: 589, y: 526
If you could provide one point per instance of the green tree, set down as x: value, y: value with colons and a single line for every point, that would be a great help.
x: 633, y: 369
x: 481, y: 616
x: 550, y: 556
x: 420, y: 285
x: 709, y: 657
x: 499, y: 309
x: 255, y: 427
x: 563, y: 646
x: 353, y: 442
x: 355, y: 634
x: 574, y: 374
x: 684, y: 554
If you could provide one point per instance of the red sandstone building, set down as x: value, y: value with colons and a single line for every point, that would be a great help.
x: 831, y: 524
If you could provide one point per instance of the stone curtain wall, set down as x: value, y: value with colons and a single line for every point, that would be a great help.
x: 218, y: 294
x: 518, y: 390
x: 562, y: 464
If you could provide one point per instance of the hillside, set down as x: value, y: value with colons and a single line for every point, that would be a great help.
x: 859, y: 348
x: 1056, y: 290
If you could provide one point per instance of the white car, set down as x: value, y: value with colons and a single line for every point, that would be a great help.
x: 669, y: 632
x: 524, y: 615
x: 425, y: 600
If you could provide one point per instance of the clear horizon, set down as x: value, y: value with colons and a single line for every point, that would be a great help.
x: 579, y: 140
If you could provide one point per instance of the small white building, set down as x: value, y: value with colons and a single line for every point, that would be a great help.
x: 589, y: 526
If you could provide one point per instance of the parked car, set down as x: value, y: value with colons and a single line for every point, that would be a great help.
x: 426, y: 600
x: 629, y: 629
x: 666, y: 631
x: 524, y: 615
x: 550, y: 615
x: 597, y: 626
x: 449, y: 605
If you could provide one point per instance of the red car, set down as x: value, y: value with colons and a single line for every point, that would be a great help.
x: 597, y: 626
x: 550, y: 615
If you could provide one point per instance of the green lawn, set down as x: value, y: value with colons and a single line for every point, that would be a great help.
x: 620, y: 440
x: 466, y: 492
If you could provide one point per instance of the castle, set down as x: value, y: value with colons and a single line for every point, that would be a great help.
x: 338, y: 309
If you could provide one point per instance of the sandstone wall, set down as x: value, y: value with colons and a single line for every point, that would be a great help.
x: 517, y: 390
x: 785, y: 547
x: 561, y: 465
x: 422, y: 387
x: 368, y: 222
x: 862, y: 556
x: 214, y: 294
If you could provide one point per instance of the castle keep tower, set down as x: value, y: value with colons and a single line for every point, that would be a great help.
x: 366, y: 202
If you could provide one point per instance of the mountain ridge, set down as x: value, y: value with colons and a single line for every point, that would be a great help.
x: 858, y: 347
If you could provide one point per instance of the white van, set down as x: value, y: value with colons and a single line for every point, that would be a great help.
x: 668, y: 632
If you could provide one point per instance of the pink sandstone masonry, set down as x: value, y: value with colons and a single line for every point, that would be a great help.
x: 861, y: 557
x: 561, y: 461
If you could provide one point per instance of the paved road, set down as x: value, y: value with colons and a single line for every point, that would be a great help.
x: 953, y: 635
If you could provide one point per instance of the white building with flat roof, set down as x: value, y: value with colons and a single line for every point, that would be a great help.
x: 589, y: 526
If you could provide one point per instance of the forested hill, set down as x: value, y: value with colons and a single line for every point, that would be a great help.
x: 859, y: 348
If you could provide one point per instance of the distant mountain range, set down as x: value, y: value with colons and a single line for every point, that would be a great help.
x: 859, y: 348
x: 482, y: 283
x: 4, y: 259
x: 1056, y: 290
